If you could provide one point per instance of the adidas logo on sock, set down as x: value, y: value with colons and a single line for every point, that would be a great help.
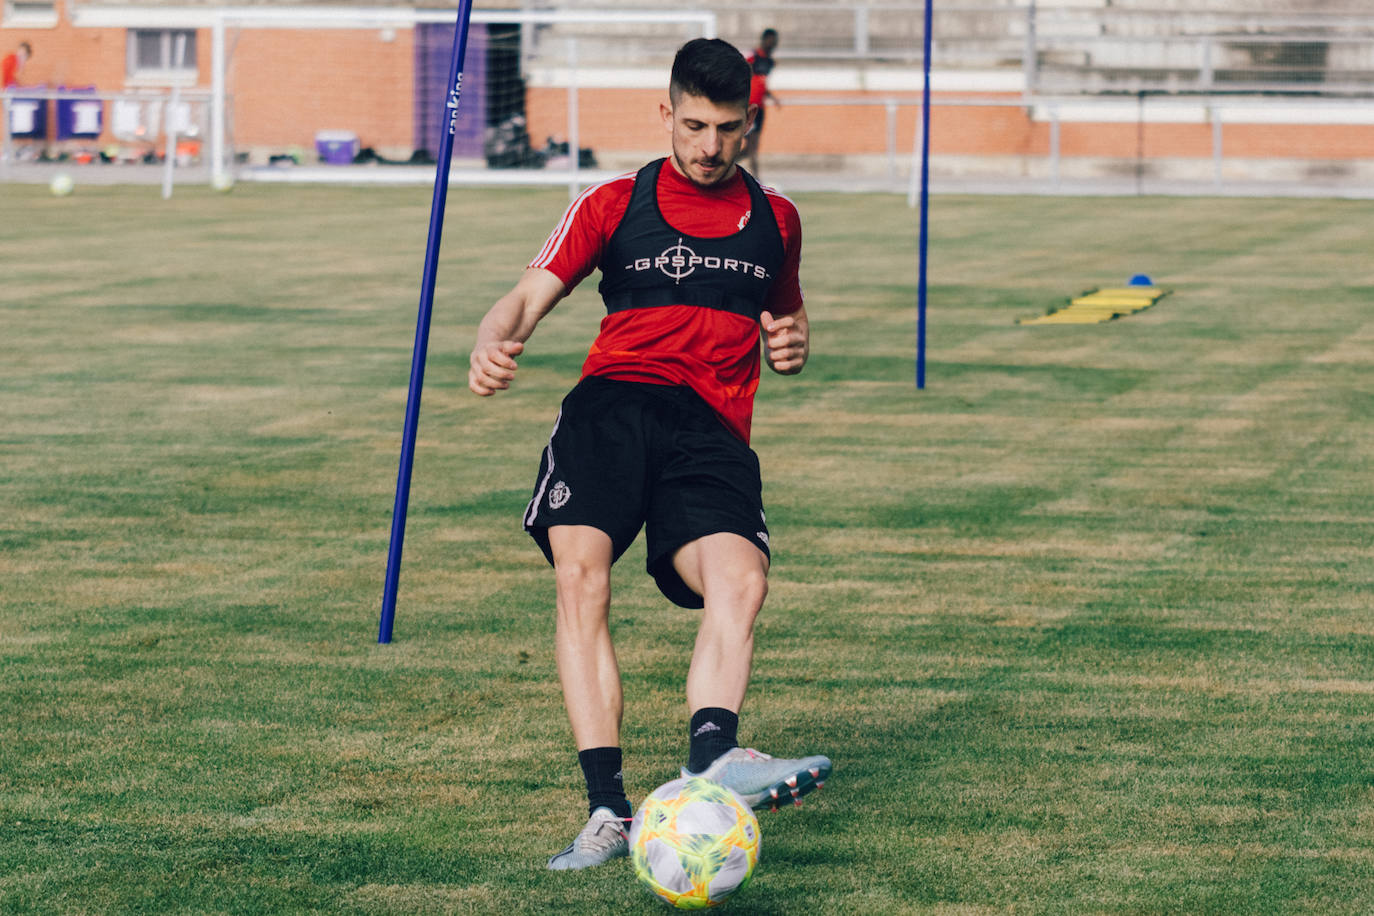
x: 705, y: 728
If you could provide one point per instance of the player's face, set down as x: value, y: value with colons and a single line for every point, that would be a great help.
x: 707, y: 136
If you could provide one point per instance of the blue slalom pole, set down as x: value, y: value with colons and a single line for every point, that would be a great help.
x: 925, y: 209
x: 417, y: 360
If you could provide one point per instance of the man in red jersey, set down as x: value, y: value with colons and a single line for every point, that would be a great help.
x: 761, y: 64
x: 697, y: 261
x: 13, y: 63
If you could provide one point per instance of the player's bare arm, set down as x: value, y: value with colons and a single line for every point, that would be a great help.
x: 786, y: 341
x: 507, y: 325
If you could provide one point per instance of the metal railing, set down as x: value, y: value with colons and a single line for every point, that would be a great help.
x: 141, y: 122
x: 1157, y: 145
x: 1081, y: 49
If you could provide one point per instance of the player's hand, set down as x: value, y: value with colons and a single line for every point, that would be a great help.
x: 493, y: 366
x: 787, y: 341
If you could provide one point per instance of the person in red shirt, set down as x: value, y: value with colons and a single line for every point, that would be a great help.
x: 13, y: 63
x: 761, y: 65
x: 698, y: 262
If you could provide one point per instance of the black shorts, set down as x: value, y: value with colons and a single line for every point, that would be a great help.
x: 626, y: 455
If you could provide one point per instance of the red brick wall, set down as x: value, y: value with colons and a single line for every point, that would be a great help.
x: 611, y: 119
x: 289, y: 83
x: 67, y: 56
x: 627, y: 119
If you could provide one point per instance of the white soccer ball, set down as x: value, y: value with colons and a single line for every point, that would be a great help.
x: 223, y: 182
x: 61, y: 185
x: 694, y: 843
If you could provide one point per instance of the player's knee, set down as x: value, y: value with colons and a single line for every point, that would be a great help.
x: 581, y: 584
x: 742, y: 593
x: 755, y: 586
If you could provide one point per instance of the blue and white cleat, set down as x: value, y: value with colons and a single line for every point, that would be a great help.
x: 764, y: 781
x: 605, y: 837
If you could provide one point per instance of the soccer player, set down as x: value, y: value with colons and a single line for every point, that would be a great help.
x: 760, y: 64
x: 12, y: 63
x: 697, y: 262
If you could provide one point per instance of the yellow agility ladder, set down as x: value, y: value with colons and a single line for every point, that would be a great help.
x: 1102, y: 305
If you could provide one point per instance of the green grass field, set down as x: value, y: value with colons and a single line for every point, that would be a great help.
x: 1086, y: 625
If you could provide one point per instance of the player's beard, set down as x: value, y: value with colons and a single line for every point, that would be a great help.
x: 705, y: 172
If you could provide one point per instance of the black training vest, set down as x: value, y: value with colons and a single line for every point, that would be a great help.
x: 647, y: 263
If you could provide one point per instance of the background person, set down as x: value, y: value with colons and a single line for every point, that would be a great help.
x: 12, y: 63
x: 760, y: 65
x: 697, y: 261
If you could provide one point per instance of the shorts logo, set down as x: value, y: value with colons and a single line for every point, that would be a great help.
x: 678, y: 262
x: 762, y: 536
x: 559, y: 495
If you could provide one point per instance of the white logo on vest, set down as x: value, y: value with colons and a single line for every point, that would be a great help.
x: 679, y: 262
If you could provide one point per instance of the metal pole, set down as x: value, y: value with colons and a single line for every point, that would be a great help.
x: 5, y: 143
x: 925, y: 207
x: 1140, y: 143
x: 1216, y: 146
x: 913, y: 189
x: 217, y: 132
x: 168, y: 122
x: 417, y: 362
x: 891, y: 106
x: 1054, y: 143
x: 574, y: 141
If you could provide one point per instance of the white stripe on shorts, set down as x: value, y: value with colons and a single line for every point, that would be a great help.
x: 533, y: 509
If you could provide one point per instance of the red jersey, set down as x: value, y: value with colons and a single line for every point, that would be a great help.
x: 760, y: 65
x: 714, y: 352
x: 9, y: 71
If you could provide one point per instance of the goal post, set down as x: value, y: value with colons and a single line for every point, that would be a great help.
x: 314, y: 93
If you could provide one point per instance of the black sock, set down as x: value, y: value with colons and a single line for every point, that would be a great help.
x: 605, y: 785
x: 712, y: 733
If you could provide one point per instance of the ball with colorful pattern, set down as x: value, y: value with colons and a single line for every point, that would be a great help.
x: 694, y: 843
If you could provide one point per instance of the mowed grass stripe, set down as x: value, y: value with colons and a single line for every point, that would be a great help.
x: 1084, y: 624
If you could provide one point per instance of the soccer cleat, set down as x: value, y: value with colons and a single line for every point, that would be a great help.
x: 604, y: 838
x: 763, y: 781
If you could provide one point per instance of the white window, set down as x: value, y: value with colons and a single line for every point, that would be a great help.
x: 32, y: 14
x: 161, y: 55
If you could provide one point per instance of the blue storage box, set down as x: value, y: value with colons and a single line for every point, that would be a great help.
x: 336, y: 147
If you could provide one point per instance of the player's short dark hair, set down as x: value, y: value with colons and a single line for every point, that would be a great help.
x: 28, y: 48
x: 713, y: 69
x: 769, y: 33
